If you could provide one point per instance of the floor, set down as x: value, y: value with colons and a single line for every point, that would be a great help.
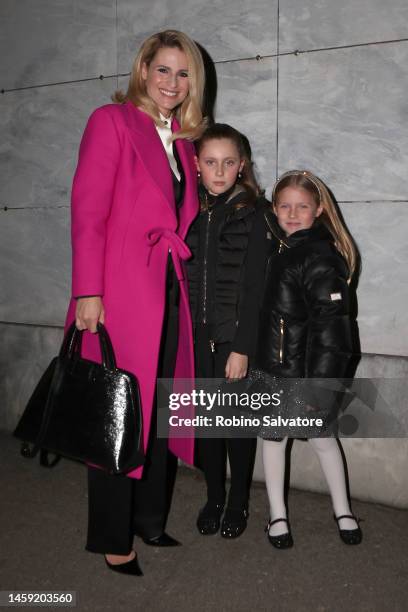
x: 43, y: 517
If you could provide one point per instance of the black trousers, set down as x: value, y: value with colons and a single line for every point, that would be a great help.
x: 119, y: 506
x: 212, y: 452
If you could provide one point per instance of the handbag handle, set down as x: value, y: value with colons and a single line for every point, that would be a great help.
x: 72, y: 345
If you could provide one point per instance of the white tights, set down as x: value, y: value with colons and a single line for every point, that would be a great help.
x: 331, y: 462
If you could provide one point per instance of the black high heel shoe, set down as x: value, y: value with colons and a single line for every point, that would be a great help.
x: 131, y: 568
x: 163, y: 539
x: 349, y: 536
x: 209, y: 518
x: 283, y: 540
x: 234, y: 523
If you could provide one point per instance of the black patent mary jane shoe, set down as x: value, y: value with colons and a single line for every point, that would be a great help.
x: 234, y: 523
x: 349, y: 536
x: 209, y: 518
x: 283, y: 540
x: 130, y: 568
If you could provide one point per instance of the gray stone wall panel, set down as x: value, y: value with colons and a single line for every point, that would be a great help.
x: 49, y: 41
x: 341, y: 115
x: 36, y: 260
x: 25, y: 353
x: 226, y: 30
x: 313, y: 24
x: 377, y: 470
x: 380, y: 232
x: 41, y: 130
x: 247, y: 100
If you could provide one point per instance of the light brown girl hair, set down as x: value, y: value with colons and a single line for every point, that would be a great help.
x: 189, y: 113
x: 303, y: 179
x: 220, y: 131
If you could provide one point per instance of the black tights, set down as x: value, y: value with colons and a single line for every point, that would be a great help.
x: 212, y: 452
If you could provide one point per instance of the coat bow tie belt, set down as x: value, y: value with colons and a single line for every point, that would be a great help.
x: 177, y: 247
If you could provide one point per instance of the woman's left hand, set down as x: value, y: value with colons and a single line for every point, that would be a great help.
x: 236, y: 366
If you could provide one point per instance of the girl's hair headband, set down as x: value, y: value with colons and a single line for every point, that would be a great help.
x: 304, y: 173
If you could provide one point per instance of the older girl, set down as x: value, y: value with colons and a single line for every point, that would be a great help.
x: 228, y: 241
x: 305, y: 327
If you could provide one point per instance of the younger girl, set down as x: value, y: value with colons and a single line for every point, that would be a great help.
x: 228, y: 242
x: 305, y: 328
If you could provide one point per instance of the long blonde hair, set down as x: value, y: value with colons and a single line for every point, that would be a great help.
x: 330, y: 216
x: 189, y: 113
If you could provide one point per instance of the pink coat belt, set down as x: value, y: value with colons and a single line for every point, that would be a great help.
x: 177, y: 247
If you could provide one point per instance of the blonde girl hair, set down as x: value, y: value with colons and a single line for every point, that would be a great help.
x: 330, y: 216
x: 189, y: 113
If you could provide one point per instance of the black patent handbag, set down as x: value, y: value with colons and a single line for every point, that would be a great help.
x: 86, y: 410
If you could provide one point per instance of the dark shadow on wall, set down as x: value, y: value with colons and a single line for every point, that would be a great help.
x: 253, y: 170
x: 210, y: 90
x: 355, y: 334
x: 210, y: 98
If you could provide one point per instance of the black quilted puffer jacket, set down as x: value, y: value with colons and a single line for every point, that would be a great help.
x: 226, y: 271
x: 304, y: 328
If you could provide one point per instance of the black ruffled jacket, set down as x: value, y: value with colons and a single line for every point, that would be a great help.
x: 304, y: 328
x: 226, y: 272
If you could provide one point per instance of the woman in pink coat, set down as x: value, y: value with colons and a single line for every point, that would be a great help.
x: 134, y: 197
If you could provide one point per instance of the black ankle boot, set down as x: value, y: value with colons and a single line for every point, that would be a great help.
x: 209, y: 517
x: 234, y: 522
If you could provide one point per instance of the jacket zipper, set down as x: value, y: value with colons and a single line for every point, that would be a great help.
x: 282, y: 243
x: 282, y: 331
x: 207, y: 238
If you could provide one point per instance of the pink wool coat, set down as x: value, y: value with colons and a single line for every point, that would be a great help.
x: 123, y: 224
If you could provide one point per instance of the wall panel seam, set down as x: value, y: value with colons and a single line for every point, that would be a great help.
x: 35, y: 207
x: 101, y: 77
x: 40, y: 325
x: 116, y: 40
x: 52, y: 326
x: 277, y: 95
x: 258, y: 57
x: 5, y: 208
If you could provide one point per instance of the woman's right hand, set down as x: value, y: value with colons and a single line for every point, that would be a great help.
x: 89, y: 312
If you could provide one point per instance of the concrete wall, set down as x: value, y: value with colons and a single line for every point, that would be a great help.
x: 320, y: 85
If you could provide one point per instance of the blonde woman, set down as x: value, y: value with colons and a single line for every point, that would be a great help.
x: 305, y: 327
x: 133, y: 199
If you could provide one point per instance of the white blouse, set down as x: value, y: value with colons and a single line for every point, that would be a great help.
x: 165, y: 134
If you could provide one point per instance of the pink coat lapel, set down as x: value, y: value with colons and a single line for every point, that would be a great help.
x: 189, y: 210
x: 147, y: 144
